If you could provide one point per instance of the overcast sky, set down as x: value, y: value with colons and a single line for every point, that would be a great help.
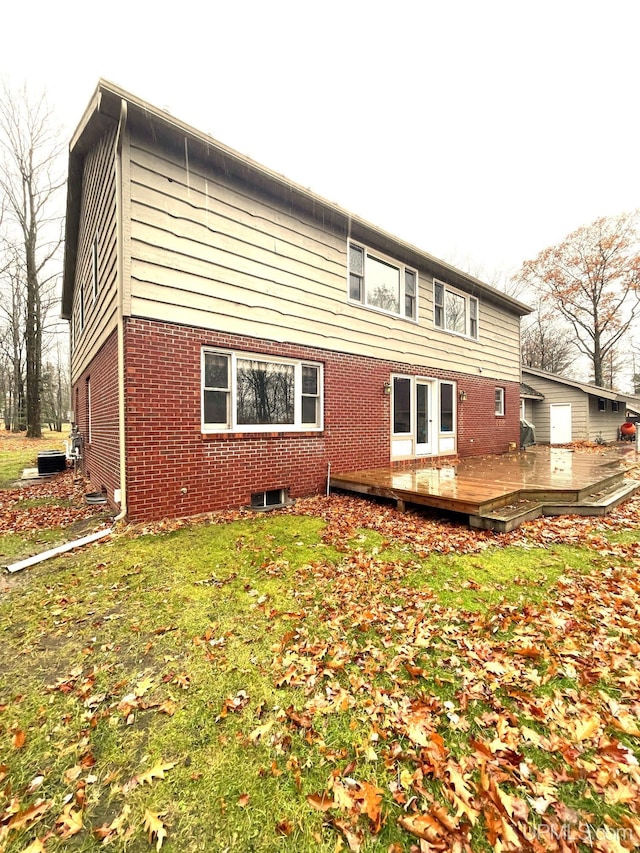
x: 480, y: 131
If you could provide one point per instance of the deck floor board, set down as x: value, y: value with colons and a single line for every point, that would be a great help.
x: 476, y: 484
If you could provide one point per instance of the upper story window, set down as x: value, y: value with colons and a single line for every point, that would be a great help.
x: 454, y: 311
x: 382, y: 283
x: 251, y: 393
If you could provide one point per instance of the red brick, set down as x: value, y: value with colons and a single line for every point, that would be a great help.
x: 166, y: 451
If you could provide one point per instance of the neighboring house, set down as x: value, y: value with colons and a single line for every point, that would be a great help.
x: 233, y: 333
x: 563, y: 410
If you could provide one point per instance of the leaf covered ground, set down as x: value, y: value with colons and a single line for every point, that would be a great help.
x: 333, y: 677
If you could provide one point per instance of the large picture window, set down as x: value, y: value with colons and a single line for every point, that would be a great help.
x: 454, y: 311
x: 251, y: 393
x: 382, y: 283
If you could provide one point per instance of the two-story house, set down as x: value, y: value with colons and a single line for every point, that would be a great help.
x: 233, y: 333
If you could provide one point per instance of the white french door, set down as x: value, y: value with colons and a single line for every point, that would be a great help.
x: 423, y: 418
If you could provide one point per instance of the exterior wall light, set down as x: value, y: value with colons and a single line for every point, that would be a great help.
x: 462, y: 396
x: 387, y: 388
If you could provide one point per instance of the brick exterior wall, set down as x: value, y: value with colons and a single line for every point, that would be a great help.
x: 480, y: 431
x: 174, y: 470
x: 101, y: 459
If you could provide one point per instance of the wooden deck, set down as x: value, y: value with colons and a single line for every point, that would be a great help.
x: 500, y: 492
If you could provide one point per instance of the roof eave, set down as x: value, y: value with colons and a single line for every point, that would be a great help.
x: 592, y: 390
x: 106, y: 101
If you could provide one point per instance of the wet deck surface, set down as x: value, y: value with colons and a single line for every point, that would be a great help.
x: 475, y: 484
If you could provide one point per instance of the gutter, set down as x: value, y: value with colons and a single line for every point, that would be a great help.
x: 120, y: 285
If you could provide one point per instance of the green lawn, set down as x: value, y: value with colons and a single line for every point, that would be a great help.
x: 18, y: 452
x: 274, y: 683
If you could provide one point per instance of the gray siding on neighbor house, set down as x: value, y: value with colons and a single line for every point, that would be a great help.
x: 588, y: 423
x: 210, y: 252
x: 554, y: 392
x: 605, y: 425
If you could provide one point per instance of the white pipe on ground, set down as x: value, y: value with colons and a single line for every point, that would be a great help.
x: 61, y: 549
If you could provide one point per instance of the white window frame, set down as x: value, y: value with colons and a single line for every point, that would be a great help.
x: 471, y: 306
x: 232, y: 425
x: 404, y: 271
x: 499, y: 402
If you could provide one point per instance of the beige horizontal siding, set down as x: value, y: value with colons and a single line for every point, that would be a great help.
x: 212, y: 254
x: 98, y: 216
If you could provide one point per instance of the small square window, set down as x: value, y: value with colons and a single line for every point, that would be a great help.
x: 269, y: 499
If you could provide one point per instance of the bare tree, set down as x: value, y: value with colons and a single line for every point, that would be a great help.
x: 55, y: 392
x: 593, y: 280
x: 13, y: 349
x: 499, y: 278
x: 30, y: 180
x: 545, y: 344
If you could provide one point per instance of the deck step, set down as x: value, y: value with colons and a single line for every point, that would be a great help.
x: 596, y: 503
x: 507, y: 518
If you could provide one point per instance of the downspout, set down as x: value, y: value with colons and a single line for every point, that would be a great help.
x: 120, y: 285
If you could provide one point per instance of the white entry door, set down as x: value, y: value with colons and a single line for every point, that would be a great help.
x: 423, y: 418
x: 560, y: 423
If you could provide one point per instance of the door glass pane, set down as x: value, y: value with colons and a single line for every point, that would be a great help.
x: 446, y: 407
x: 401, y: 405
x: 422, y: 414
